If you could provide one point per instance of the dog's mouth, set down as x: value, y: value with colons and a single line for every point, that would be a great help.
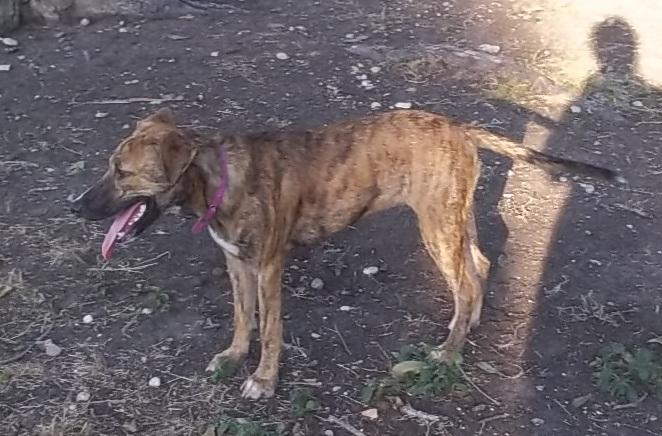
x: 130, y: 221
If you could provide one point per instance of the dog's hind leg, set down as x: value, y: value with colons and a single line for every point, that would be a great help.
x: 243, y: 277
x: 448, y: 232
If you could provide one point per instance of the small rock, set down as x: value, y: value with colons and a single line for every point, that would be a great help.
x: 403, y: 105
x: 375, y: 105
x: 85, y: 22
x: 315, y: 335
x: 214, y: 54
x: 345, y: 308
x: 154, y: 382
x: 335, y: 389
x: 637, y: 103
x: 282, y: 56
x: 537, y: 421
x: 370, y: 414
x: 9, y: 42
x: 370, y: 270
x: 5, y: 67
x: 590, y: 189
x: 122, y: 30
x: 317, y: 283
x: 130, y: 427
x: 87, y: 319
x: 479, y: 408
x: 328, y: 432
x: 83, y: 396
x: 101, y: 115
x: 375, y: 70
x: 563, y: 179
x: 580, y: 401
x: 51, y: 349
x: 575, y: 109
x: 146, y: 311
x: 489, y: 48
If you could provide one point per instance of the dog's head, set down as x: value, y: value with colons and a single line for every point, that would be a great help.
x: 143, y: 177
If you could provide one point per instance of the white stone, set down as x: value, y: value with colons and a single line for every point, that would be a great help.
x: 85, y: 22
x: 146, y: 311
x: 370, y: 270
x: 317, y: 283
x: 5, y: 67
x: 154, y: 382
x: 87, y: 319
x: 101, y: 115
x: 83, y: 396
x: 214, y: 54
x: 9, y: 42
x: 375, y: 70
x: 403, y: 105
x: 637, y: 103
x: 489, y: 48
x: 282, y: 56
x: 345, y: 308
x: 370, y: 414
x: 375, y: 105
x: 51, y: 349
x: 575, y: 109
x: 315, y: 335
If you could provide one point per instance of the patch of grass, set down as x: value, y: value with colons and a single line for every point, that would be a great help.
x: 421, y: 69
x: 225, y: 369
x: 512, y: 90
x: 227, y: 426
x: 416, y: 374
x: 628, y: 374
x: 303, y: 402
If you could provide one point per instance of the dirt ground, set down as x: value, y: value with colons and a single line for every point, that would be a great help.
x: 576, y: 262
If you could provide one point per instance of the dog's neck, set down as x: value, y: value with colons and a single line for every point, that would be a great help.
x: 204, y: 175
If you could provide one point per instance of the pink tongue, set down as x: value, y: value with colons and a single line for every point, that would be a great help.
x: 112, y: 234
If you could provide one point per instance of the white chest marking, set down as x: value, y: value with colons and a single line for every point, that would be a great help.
x: 225, y: 245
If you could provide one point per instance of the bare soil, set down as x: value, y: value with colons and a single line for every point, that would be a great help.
x: 576, y: 262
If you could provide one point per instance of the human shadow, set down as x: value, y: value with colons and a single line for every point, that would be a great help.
x: 600, y: 278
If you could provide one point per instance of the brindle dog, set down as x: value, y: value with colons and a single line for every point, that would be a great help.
x: 287, y: 188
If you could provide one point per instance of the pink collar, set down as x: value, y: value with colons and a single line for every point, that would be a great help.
x: 217, y: 199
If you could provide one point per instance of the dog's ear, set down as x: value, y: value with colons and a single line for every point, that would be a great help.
x: 176, y: 154
x: 163, y: 115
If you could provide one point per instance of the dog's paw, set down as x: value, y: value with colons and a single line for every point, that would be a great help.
x: 256, y: 387
x: 229, y: 359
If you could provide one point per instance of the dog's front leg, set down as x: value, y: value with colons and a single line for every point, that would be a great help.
x: 243, y: 276
x: 264, y: 379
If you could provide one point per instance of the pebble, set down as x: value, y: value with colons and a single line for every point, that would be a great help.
x: 315, y: 335
x: 101, y: 115
x: 345, y: 308
x: 637, y: 103
x: 335, y: 389
x: 214, y: 54
x: 370, y: 270
x: 5, y: 67
x: 375, y: 70
x: 85, y: 22
x: 328, y: 432
x: 282, y: 56
x: 489, y: 48
x: 537, y: 421
x: 146, y: 311
x: 403, y: 105
x: 590, y: 189
x: 51, y: 349
x: 83, y: 396
x: 375, y: 105
x: 87, y: 319
x: 575, y: 109
x: 154, y: 382
x: 11, y: 42
x: 370, y: 413
x: 317, y: 283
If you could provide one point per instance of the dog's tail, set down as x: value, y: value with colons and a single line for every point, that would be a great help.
x: 500, y: 145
